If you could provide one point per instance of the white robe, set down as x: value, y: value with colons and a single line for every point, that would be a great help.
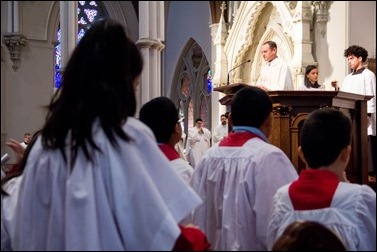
x: 237, y: 185
x: 363, y: 83
x: 219, y: 133
x: 197, y: 144
x: 128, y: 199
x: 276, y: 75
x: 351, y: 215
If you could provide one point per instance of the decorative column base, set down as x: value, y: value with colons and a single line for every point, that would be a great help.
x: 14, y: 42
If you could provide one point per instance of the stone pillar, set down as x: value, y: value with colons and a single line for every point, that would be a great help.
x: 151, y: 37
x: 68, y: 28
x: 13, y: 39
x: 302, y: 42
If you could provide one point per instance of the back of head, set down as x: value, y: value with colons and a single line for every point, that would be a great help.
x: 97, y: 83
x: 161, y: 115
x: 250, y: 107
x: 308, y: 236
x: 323, y: 135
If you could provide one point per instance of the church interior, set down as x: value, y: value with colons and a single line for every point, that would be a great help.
x: 193, y: 51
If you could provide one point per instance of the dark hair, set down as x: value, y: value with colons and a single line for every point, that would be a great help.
x: 161, y: 115
x: 97, y: 84
x: 307, y: 82
x: 271, y: 44
x: 357, y: 51
x: 198, y: 120
x: 323, y: 135
x: 250, y: 107
x: 308, y: 236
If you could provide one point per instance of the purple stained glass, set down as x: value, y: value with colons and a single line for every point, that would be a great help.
x: 87, y: 11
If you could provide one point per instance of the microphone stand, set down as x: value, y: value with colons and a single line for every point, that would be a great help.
x: 227, y: 82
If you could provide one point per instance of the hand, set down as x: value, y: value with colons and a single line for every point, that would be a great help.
x: 17, y: 148
x: 334, y: 84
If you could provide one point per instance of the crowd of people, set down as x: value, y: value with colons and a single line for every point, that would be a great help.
x: 95, y: 177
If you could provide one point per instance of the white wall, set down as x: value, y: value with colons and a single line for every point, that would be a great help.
x: 185, y: 20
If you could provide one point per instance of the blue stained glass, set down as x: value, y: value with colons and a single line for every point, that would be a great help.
x: 57, y: 77
x: 209, y: 81
x: 91, y: 14
x: 81, y: 34
x: 87, y: 11
x: 82, y: 21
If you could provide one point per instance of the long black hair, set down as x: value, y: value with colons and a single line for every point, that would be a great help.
x: 97, y: 84
x: 307, y: 82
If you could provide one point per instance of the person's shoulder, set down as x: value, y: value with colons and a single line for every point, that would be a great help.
x: 137, y: 128
x: 356, y: 189
x: 369, y: 72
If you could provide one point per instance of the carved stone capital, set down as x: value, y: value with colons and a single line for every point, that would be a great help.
x: 14, y: 42
x: 150, y: 43
x: 321, y: 10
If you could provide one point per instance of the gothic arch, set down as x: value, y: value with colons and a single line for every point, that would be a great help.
x: 285, y: 49
x: 188, y: 90
x: 255, y: 23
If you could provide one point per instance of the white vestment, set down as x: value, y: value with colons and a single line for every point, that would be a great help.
x: 197, y: 144
x: 128, y: 199
x: 237, y: 184
x: 305, y: 88
x: 276, y: 75
x: 351, y: 214
x: 363, y: 83
x: 219, y: 133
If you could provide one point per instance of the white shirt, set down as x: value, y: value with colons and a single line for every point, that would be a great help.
x: 363, y: 83
x: 276, y: 75
x: 237, y: 184
x: 305, y: 88
x: 128, y: 199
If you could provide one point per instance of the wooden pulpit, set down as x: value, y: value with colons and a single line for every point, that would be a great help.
x: 291, y: 108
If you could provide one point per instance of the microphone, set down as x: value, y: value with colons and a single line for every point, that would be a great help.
x: 4, y: 158
x: 227, y: 82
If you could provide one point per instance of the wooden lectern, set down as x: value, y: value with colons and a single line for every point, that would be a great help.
x: 290, y: 109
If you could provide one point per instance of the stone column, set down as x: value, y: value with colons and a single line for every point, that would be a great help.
x: 151, y: 37
x: 68, y: 29
x: 302, y: 42
x: 13, y: 39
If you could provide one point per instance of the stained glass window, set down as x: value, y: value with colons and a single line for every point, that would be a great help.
x: 87, y: 12
x: 194, y: 87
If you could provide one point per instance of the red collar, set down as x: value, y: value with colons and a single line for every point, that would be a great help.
x: 314, y: 189
x: 169, y: 151
x: 237, y: 139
